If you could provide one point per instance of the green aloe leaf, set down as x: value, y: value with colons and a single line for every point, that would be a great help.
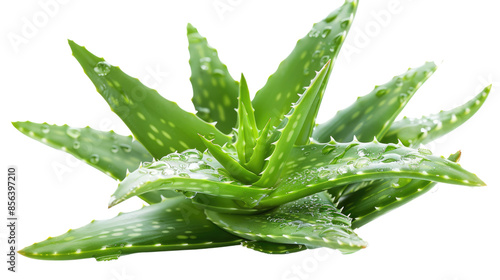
x: 247, y: 129
x: 262, y: 147
x: 371, y: 115
x: 321, y: 225
x: 190, y: 171
x: 214, y: 90
x: 174, y: 224
x: 310, y: 54
x: 230, y: 164
x: 382, y: 196
x: 319, y: 167
x: 423, y: 130
x: 293, y: 123
x: 159, y: 124
x: 108, y: 152
x: 273, y: 248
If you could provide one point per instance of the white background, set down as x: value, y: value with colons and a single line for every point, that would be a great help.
x: 449, y: 234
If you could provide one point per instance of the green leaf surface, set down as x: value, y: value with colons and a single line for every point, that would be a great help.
x: 312, y: 221
x: 108, y: 152
x: 382, y: 196
x: 214, y: 90
x: 293, y: 123
x: 371, y: 115
x: 174, y: 224
x: 273, y: 248
x: 159, y: 124
x: 262, y: 147
x: 310, y: 54
x: 230, y: 164
x: 319, y: 167
x: 190, y: 171
x: 413, y: 132
x: 247, y: 129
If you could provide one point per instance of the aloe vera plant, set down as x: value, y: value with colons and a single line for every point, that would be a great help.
x: 261, y: 172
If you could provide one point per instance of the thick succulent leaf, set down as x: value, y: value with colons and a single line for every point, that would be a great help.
x: 262, y: 147
x: 423, y: 130
x: 159, y: 124
x: 230, y: 164
x: 321, y: 44
x: 190, y: 171
x: 294, y: 122
x: 312, y: 221
x: 214, y: 90
x: 382, y: 196
x: 371, y: 115
x: 247, y: 129
x: 174, y: 224
x: 109, y: 152
x: 261, y: 150
x: 273, y: 248
x: 319, y: 167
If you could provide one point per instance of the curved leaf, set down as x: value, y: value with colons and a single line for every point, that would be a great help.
x: 382, y: 196
x: 423, y: 130
x: 312, y: 221
x: 319, y: 167
x: 189, y: 171
x: 174, y: 224
x: 108, y: 152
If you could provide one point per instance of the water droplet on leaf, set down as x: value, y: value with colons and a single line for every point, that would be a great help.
x: 94, y: 158
x: 102, y: 68
x: 73, y: 132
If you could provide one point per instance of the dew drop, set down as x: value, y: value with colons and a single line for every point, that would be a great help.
x: 102, y: 68
x: 326, y: 31
x: 184, y: 175
x: 192, y: 155
x: 345, y: 23
x: 126, y: 148
x: 424, y: 151
x: 307, y: 153
x: 316, y: 54
x: 76, y: 145
x: 108, y: 257
x: 314, y: 33
x: 94, y: 158
x: 45, y: 128
x: 205, y: 63
x: 361, y: 162
x: 403, y: 97
x: 218, y: 72
x: 114, y: 149
x: 324, y: 60
x: 73, y: 132
x: 210, y: 136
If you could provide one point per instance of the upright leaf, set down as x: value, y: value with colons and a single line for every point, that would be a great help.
x: 159, y: 124
x: 293, y: 126
x: 247, y: 129
x: 321, y: 225
x: 214, y: 90
x: 174, y: 224
x: 423, y: 130
x: 371, y: 115
x: 310, y: 54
